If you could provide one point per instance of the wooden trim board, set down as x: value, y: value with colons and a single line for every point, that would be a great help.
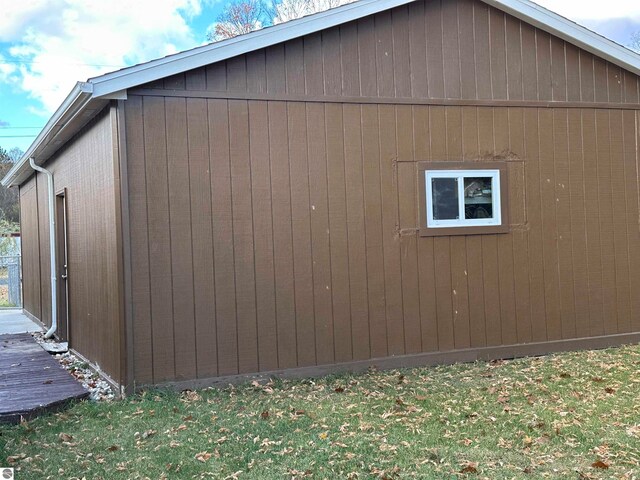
x: 446, y: 102
x: 417, y: 360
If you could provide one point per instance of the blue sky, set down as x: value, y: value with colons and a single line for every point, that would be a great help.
x: 48, y: 45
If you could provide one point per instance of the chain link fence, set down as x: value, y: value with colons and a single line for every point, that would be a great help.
x: 10, y: 272
x: 10, y: 281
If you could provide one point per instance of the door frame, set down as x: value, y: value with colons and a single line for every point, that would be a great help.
x: 62, y: 267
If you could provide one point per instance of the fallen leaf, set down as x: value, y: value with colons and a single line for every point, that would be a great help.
x: 65, y: 437
x: 600, y: 464
x: 191, y: 396
x: 470, y: 468
x: 203, y: 456
x: 14, y: 458
x: 634, y: 430
x: 338, y: 389
x: 113, y: 448
x: 610, y: 390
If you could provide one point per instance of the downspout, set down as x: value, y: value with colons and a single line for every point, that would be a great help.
x: 52, y: 247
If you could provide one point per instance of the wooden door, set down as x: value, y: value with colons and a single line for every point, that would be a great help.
x: 62, y: 267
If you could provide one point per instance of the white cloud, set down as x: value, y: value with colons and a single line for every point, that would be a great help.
x: 17, y: 15
x: 64, y: 41
x: 6, y: 70
x: 593, y: 9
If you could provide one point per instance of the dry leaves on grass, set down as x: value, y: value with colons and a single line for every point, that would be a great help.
x: 509, y: 419
x: 189, y: 396
x: 470, y: 467
x: 11, y: 459
x: 600, y: 464
x: 203, y: 456
x: 634, y: 431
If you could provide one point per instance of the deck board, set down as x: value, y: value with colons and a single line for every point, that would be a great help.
x: 31, y: 380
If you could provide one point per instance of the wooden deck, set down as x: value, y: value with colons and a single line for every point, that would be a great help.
x: 31, y: 380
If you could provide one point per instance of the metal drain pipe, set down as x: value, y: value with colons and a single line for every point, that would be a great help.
x: 52, y: 247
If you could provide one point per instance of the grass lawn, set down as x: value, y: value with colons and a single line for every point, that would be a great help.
x: 568, y: 416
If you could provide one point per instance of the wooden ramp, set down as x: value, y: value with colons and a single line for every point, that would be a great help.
x: 31, y: 380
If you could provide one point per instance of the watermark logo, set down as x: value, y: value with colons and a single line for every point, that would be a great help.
x: 6, y: 473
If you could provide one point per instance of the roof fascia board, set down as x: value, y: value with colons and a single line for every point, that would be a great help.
x: 118, y: 95
x: 571, y: 32
x: 73, y: 104
x: 198, y: 57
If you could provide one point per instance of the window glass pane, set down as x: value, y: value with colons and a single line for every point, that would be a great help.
x: 478, y: 197
x: 445, y: 198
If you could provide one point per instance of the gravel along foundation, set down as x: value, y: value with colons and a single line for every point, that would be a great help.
x: 99, y: 389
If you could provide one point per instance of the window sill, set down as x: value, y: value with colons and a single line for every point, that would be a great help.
x: 474, y: 230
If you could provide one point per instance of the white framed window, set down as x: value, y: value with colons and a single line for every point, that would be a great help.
x: 463, y: 198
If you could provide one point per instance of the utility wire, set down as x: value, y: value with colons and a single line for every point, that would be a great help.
x: 33, y: 62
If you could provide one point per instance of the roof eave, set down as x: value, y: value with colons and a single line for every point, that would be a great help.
x: 225, y: 49
x: 70, y: 107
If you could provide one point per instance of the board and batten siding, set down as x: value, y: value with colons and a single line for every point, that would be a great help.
x: 30, y: 242
x: 273, y: 197
x: 269, y: 235
x: 85, y: 169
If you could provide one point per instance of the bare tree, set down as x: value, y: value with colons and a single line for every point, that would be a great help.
x: 15, y: 154
x: 244, y: 16
x: 240, y: 17
x: 9, y: 201
x: 286, y: 10
x: 635, y: 41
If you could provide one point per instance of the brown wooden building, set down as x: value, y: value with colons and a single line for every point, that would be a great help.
x: 391, y: 182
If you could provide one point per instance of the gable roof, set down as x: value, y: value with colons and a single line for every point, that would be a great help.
x: 88, y: 98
